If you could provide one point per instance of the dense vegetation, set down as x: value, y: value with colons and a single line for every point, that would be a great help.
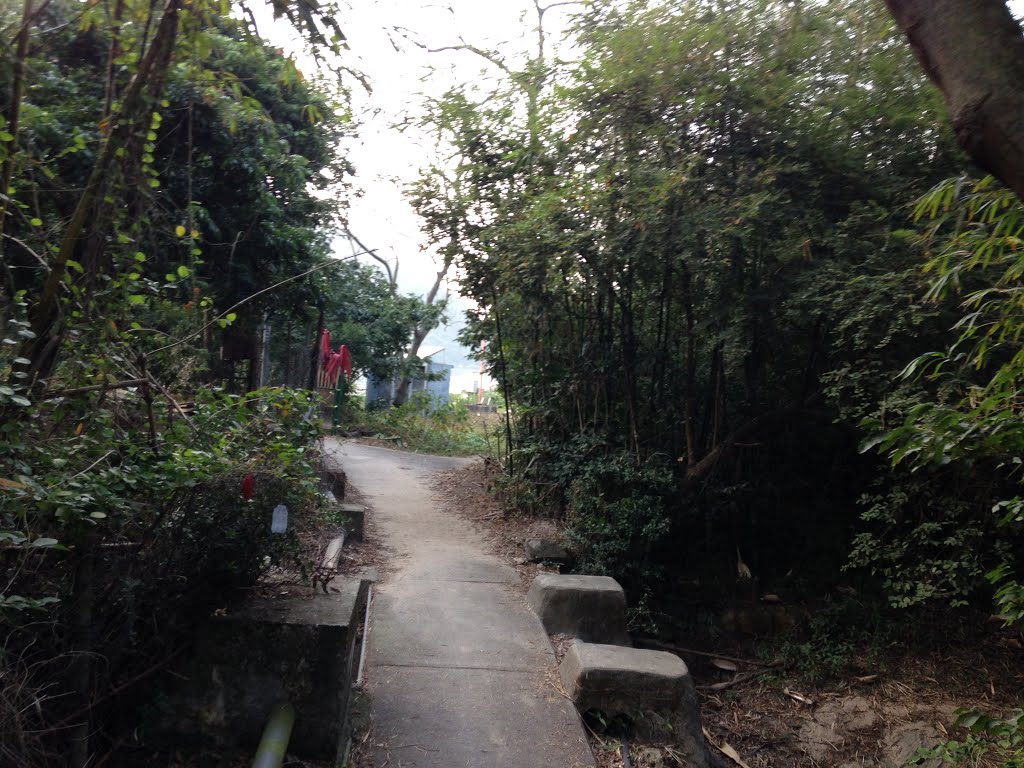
x: 696, y: 251
x: 423, y: 425
x: 171, y: 185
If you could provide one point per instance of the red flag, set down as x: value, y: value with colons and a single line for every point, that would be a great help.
x: 346, y: 361
x: 325, y: 345
x: 333, y: 369
x: 340, y: 362
x: 248, y: 483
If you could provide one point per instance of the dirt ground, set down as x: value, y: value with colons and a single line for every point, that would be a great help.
x: 760, y: 716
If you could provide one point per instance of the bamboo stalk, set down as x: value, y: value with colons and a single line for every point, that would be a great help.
x: 94, y: 388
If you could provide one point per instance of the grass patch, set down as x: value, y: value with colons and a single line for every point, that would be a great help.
x: 425, y: 426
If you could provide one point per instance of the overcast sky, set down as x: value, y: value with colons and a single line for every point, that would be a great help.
x: 384, y: 38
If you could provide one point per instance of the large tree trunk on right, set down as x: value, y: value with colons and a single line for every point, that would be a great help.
x: 973, y: 50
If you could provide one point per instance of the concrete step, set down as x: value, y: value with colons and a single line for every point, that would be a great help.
x: 617, y: 680
x: 592, y: 608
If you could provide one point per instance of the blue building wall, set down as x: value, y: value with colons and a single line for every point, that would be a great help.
x: 380, y: 392
x: 438, y: 390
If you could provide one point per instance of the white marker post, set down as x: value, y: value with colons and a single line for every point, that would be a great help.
x: 279, y: 522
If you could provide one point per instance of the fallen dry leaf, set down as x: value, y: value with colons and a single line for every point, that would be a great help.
x: 726, y: 749
x: 797, y: 696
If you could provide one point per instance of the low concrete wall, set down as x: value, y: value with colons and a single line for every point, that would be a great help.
x: 304, y: 650
x: 592, y: 608
x: 333, y: 478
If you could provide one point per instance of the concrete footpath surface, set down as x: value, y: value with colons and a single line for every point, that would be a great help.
x: 459, y: 670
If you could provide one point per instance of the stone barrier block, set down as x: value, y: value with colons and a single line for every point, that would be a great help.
x: 592, y: 608
x: 354, y: 516
x: 539, y: 550
x: 303, y: 650
x: 618, y: 680
x: 334, y: 479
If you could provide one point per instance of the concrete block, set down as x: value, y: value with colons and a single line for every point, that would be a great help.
x: 333, y: 554
x: 618, y: 680
x: 334, y: 479
x: 539, y: 550
x: 592, y: 608
x: 353, y: 517
x: 303, y: 650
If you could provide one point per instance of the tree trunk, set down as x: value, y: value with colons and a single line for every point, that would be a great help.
x: 80, y: 672
x: 13, y: 117
x: 405, y: 381
x: 973, y: 50
x: 316, y: 354
x: 419, y: 333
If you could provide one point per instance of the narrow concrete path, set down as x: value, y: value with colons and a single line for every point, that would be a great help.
x: 459, y: 669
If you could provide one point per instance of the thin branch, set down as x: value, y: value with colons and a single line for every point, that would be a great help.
x: 735, y: 681
x: 174, y: 403
x: 463, y: 46
x: 372, y: 252
x: 24, y: 245
x: 119, y: 689
x: 250, y: 297
x: 92, y: 466
x: 94, y: 388
x: 678, y: 650
x: 29, y: 21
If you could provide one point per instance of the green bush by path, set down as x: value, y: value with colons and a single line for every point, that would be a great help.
x: 425, y: 426
x: 115, y: 542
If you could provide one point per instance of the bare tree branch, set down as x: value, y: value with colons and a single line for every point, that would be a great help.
x: 372, y: 253
x: 462, y: 46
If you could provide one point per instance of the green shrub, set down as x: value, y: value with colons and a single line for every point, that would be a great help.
x: 618, y: 511
x: 924, y: 542
x: 839, y: 635
x: 422, y: 424
x: 997, y: 741
x: 150, y: 529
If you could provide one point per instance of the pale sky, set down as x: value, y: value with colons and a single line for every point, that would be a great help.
x: 387, y: 158
x: 381, y: 39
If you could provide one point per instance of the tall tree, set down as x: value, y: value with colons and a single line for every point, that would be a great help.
x: 661, y: 270
x: 134, y: 55
x: 973, y: 50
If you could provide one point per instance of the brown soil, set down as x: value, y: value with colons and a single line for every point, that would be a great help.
x: 878, y: 716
